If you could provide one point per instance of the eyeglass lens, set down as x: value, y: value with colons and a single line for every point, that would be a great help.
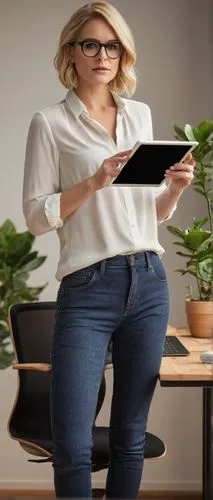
x: 91, y: 48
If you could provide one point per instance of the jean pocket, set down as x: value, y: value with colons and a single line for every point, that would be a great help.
x: 84, y: 278
x: 158, y: 268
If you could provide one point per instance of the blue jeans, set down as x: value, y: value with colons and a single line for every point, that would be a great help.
x: 123, y: 299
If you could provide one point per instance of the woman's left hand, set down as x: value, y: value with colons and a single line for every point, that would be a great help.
x: 181, y: 174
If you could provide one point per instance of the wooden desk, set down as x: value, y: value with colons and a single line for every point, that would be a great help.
x: 189, y: 371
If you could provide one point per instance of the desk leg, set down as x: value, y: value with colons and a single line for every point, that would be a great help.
x: 207, y: 443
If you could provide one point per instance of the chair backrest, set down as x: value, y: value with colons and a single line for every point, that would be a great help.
x: 31, y: 331
x: 32, y: 328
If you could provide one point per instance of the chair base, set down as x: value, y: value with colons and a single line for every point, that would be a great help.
x: 98, y: 493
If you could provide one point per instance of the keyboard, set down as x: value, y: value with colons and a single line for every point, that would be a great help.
x: 174, y: 347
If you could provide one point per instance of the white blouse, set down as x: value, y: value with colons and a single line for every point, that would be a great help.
x: 64, y: 147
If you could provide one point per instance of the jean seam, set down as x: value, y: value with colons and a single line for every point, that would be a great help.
x: 131, y: 299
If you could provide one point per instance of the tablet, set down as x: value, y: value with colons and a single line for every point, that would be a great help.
x: 150, y: 160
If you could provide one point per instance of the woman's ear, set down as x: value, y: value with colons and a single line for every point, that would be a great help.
x: 70, y: 53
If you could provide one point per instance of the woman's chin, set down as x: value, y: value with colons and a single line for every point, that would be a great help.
x: 101, y: 78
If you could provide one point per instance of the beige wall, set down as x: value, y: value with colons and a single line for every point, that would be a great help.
x: 175, y: 79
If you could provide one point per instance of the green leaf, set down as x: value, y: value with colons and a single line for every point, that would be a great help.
x: 208, y: 166
x: 6, y: 358
x: 20, y: 244
x: 37, y: 290
x: 30, y: 294
x: 205, y: 269
x: 16, y: 263
x: 189, y: 132
x: 179, y: 244
x: 196, y: 134
x: 182, y: 254
x: 19, y: 281
x: 195, y: 238
x: 180, y: 133
x: 27, y: 258
x: 3, y: 329
x: 33, y: 264
x: 5, y: 273
x: 3, y: 243
x: 196, y: 183
x: 205, y: 129
x: 200, y: 191
x: 8, y: 228
x: 176, y: 231
x: 198, y: 223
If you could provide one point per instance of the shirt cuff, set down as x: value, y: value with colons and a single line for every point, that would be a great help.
x: 169, y: 216
x: 52, y: 210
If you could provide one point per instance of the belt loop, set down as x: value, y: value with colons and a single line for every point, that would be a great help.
x: 148, y: 261
x: 102, y: 267
x: 132, y: 258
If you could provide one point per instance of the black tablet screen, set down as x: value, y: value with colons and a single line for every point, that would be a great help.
x: 149, y: 162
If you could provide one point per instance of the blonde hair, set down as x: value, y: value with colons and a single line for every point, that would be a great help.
x: 125, y: 79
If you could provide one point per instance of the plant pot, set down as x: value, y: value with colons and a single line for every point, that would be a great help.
x: 200, y: 317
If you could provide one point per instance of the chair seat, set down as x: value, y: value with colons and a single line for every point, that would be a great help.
x: 100, y: 450
x: 154, y: 446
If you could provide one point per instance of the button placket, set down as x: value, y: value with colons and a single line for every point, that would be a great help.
x: 101, y: 128
x: 119, y: 141
x: 130, y: 214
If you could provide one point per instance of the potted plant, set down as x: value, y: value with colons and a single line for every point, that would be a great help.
x: 17, y: 260
x: 196, y: 241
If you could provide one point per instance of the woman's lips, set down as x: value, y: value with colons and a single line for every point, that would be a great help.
x: 101, y: 69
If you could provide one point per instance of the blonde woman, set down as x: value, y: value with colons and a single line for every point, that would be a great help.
x: 112, y: 283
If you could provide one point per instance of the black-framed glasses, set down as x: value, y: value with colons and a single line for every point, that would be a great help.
x: 91, y: 47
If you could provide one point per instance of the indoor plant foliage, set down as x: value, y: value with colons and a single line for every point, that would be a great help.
x: 17, y: 260
x: 196, y: 241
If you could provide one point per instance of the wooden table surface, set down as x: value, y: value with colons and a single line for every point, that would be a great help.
x: 187, y: 368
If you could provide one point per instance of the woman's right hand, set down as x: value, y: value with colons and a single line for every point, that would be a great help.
x: 110, y: 169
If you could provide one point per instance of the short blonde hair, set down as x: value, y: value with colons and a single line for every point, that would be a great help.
x: 125, y: 79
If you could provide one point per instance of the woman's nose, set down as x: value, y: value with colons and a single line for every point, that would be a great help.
x: 102, y: 54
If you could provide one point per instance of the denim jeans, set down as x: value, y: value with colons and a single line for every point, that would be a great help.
x: 123, y: 299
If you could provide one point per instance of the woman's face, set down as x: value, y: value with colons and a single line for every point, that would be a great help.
x: 99, y: 69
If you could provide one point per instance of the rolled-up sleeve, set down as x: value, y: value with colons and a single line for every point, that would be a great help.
x: 41, y: 184
x: 159, y: 190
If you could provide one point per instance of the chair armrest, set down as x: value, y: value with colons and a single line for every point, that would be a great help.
x: 40, y: 367
x: 108, y: 366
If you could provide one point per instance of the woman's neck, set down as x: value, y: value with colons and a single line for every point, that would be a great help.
x: 95, y: 98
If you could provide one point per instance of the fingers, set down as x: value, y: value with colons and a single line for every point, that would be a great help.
x: 119, y: 157
x: 122, y: 153
x: 186, y: 176
x: 181, y: 175
x: 181, y: 172
x: 182, y: 167
x: 189, y: 159
x: 116, y: 161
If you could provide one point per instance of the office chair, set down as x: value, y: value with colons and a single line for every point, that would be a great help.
x: 31, y: 326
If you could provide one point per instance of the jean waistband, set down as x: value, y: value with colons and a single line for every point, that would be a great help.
x: 141, y: 258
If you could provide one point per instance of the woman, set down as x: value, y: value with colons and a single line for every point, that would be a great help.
x: 113, y: 284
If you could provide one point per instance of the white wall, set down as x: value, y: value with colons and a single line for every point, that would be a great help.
x: 175, y: 79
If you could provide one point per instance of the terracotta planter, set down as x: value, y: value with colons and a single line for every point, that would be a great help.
x: 200, y: 317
